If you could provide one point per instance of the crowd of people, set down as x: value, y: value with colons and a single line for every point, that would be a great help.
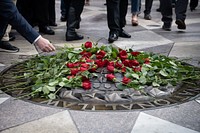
x: 26, y: 14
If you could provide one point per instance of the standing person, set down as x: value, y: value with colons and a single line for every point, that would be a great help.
x: 116, y: 16
x: 52, y: 13
x: 180, y: 11
x: 147, y: 11
x: 63, y: 11
x: 7, y: 37
x: 10, y: 15
x: 74, y: 9
x: 135, y: 10
x: 36, y: 12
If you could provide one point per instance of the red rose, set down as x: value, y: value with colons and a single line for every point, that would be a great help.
x: 82, y: 69
x: 100, y: 54
x: 126, y: 62
x: 136, y: 53
x: 86, y: 85
x: 70, y: 76
x: 100, y: 63
x: 123, y: 70
x: 146, y: 60
x: 126, y: 80
x: 110, y: 77
x: 86, y: 54
x: 123, y: 55
x: 88, y: 44
x: 85, y: 65
x: 110, y: 68
x: 74, y: 71
x: 137, y: 69
x: 118, y: 65
x: 111, y: 63
x: 85, y: 79
x: 89, y: 60
x: 93, y: 69
x: 70, y: 65
x: 134, y: 63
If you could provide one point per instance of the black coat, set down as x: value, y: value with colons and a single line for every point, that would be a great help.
x: 10, y: 15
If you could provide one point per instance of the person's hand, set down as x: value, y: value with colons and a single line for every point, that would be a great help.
x: 45, y: 45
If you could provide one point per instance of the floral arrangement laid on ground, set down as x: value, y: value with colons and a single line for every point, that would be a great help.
x: 74, y: 68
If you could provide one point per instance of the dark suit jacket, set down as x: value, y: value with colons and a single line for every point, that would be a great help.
x: 10, y: 15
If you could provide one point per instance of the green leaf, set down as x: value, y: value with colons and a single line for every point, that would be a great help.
x: 128, y: 75
x: 61, y: 84
x: 136, y: 76
x: 142, y: 80
x: 70, y: 55
x: 155, y: 84
x: 121, y: 86
x: 52, y: 96
x: 51, y: 88
x: 172, y: 63
x: 53, y: 83
x: 45, y: 90
x: 163, y: 73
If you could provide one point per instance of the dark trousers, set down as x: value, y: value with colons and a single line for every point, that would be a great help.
x: 116, y: 14
x: 74, y: 8
x: 166, y: 10
x: 52, y: 12
x: 35, y: 11
x: 148, y: 5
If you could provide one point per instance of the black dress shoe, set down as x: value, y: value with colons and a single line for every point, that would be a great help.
x: 124, y: 34
x: 181, y: 24
x: 72, y: 36
x: 112, y: 37
x: 5, y: 46
x: 147, y: 16
x: 52, y: 24
x: 46, y: 30
x: 167, y: 26
x: 158, y: 10
x: 63, y: 18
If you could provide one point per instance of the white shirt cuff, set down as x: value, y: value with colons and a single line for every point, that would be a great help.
x: 36, y: 39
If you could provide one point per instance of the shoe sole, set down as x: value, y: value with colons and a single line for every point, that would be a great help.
x: 180, y: 24
x: 9, y: 51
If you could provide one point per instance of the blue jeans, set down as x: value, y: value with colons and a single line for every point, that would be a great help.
x: 135, y: 6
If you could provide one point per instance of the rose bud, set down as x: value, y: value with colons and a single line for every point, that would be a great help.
x: 70, y: 65
x: 88, y: 44
x: 110, y: 68
x: 100, y: 54
x: 110, y: 77
x: 100, y: 63
x: 126, y: 80
x: 126, y: 62
x: 82, y: 69
x: 86, y: 85
x: 123, y: 70
x: 86, y: 54
x: 146, y: 60
x: 74, y: 71
x: 85, y: 65
x: 93, y: 69
x: 123, y: 55
x: 135, y: 63
x: 136, y: 53
x: 70, y: 76
x: 137, y: 69
x: 118, y: 65
x: 111, y: 63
